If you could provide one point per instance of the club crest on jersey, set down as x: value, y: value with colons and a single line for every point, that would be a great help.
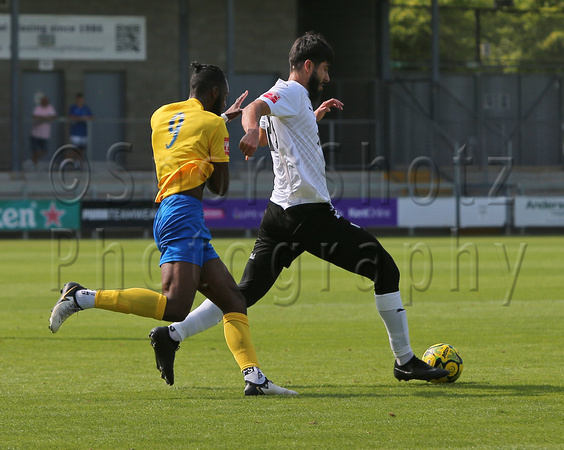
x: 226, y: 145
x: 273, y: 97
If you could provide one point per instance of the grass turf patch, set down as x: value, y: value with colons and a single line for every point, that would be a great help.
x: 94, y: 383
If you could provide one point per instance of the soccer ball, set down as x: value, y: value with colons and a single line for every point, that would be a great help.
x: 446, y: 357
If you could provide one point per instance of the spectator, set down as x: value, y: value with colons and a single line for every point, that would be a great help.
x: 43, y: 115
x: 79, y: 113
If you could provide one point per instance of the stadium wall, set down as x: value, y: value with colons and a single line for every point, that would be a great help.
x: 497, y: 115
x: 156, y: 80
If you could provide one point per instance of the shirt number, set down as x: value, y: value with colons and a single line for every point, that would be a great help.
x: 174, y: 127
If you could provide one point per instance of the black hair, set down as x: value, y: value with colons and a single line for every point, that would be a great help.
x: 312, y: 46
x: 205, y: 77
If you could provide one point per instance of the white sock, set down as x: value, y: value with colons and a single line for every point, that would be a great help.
x: 174, y: 334
x: 85, y: 298
x: 254, y: 375
x: 203, y: 317
x: 390, y: 308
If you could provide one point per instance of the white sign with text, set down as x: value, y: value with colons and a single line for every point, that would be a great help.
x: 539, y: 211
x: 475, y: 212
x: 50, y: 37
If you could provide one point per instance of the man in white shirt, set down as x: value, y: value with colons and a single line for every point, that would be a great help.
x: 299, y: 216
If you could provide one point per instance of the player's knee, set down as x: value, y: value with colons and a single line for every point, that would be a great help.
x: 226, y: 297
x: 234, y: 301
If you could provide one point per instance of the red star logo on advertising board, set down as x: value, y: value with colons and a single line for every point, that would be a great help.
x: 52, y: 215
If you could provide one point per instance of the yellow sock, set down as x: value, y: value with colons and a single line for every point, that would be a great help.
x: 238, y: 338
x: 141, y: 302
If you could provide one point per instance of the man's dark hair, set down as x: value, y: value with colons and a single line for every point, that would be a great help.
x: 312, y: 46
x: 205, y: 77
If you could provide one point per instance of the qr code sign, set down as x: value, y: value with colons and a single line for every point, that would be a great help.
x: 128, y: 38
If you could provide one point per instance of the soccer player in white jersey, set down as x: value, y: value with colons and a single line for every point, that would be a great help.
x: 299, y: 216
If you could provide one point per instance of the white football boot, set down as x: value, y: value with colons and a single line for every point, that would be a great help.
x: 65, y: 307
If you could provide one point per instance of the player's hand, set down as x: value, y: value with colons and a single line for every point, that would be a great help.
x: 235, y: 109
x: 326, y: 107
x: 249, y: 142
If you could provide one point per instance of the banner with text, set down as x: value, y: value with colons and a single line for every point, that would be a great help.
x: 133, y: 214
x: 245, y: 214
x: 229, y: 213
x: 49, y: 37
x: 539, y: 211
x: 25, y: 215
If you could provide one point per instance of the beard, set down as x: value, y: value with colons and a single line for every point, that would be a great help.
x: 216, y: 107
x: 314, y: 88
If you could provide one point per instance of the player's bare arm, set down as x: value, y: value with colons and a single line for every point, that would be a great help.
x: 326, y: 106
x: 235, y: 109
x: 250, y: 121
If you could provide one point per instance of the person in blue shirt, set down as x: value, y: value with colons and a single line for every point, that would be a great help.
x: 79, y: 113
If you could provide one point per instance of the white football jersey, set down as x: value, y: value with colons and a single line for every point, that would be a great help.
x: 293, y: 137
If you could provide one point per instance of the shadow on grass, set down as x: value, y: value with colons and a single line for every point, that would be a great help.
x: 475, y: 390
x: 304, y: 391
x: 425, y: 390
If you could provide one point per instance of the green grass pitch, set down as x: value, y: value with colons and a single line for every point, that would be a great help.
x: 498, y: 300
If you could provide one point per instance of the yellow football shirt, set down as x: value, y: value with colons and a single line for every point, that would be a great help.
x: 186, y: 140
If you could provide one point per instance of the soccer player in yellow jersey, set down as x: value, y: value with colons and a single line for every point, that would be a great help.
x: 191, y: 150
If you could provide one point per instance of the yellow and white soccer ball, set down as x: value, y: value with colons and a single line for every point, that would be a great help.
x: 444, y: 356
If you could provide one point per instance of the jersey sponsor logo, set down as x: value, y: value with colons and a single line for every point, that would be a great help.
x: 272, y: 96
x: 226, y: 146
